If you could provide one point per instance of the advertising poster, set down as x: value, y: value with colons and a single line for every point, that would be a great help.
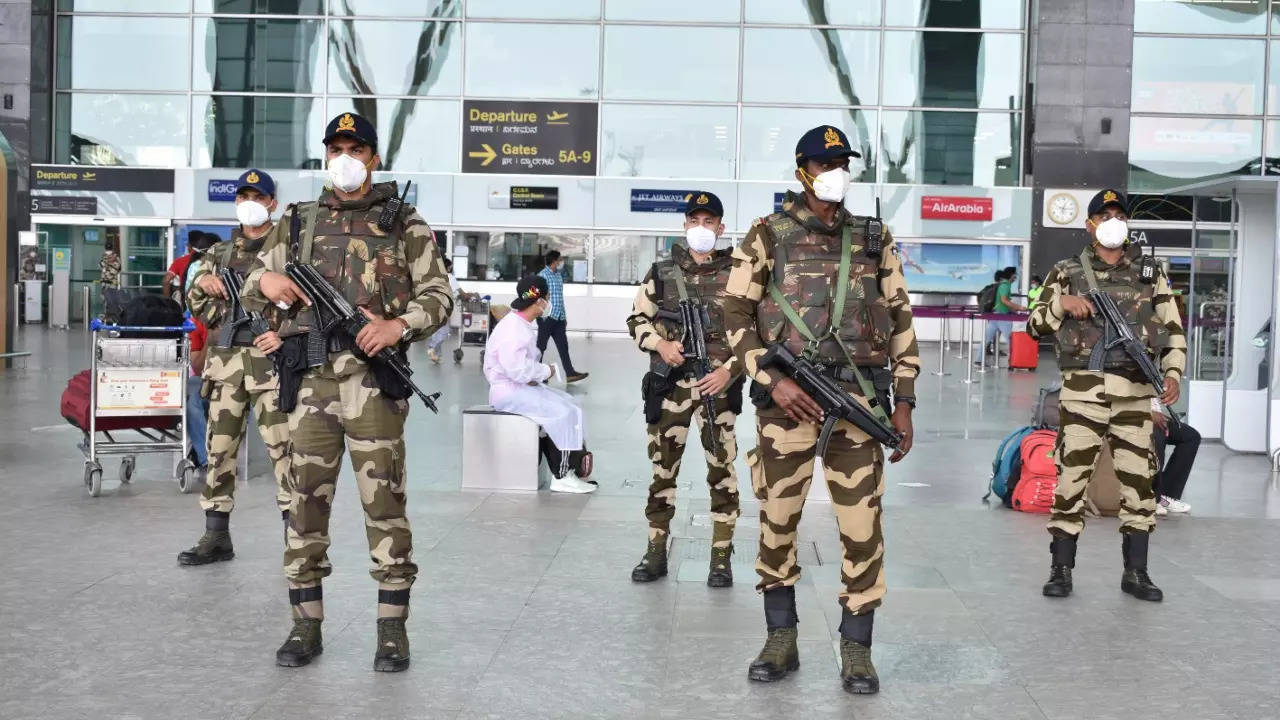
x: 954, y: 267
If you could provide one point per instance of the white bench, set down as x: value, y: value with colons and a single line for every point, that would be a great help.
x: 500, y: 451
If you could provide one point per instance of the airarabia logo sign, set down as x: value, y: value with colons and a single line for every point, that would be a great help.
x: 937, y: 207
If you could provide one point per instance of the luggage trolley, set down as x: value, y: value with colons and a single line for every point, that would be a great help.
x: 137, y: 384
x: 473, y: 330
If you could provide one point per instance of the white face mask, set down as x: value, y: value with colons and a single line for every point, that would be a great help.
x: 1113, y: 233
x: 347, y: 173
x: 832, y: 185
x: 701, y: 239
x: 252, y: 214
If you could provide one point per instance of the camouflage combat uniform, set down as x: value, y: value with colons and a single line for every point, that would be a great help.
x: 236, y: 378
x: 393, y: 274
x: 876, y: 327
x: 109, y: 269
x: 1116, y: 403
x: 670, y: 417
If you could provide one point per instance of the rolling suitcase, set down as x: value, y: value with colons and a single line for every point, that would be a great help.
x: 1024, y: 353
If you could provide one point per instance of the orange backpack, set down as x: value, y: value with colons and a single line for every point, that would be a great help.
x: 1038, y: 474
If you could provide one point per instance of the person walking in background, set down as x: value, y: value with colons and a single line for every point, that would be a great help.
x: 1004, y: 304
x: 553, y: 324
x: 109, y: 267
x: 441, y: 335
x: 1172, y: 474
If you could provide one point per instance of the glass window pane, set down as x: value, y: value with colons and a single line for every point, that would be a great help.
x: 809, y: 12
x: 513, y: 255
x: 1171, y: 75
x: 769, y: 136
x: 950, y: 148
x: 395, y: 57
x: 951, y: 69
x: 397, y: 8
x: 237, y: 131
x: 1272, y: 164
x: 263, y: 7
x: 1273, y: 81
x: 122, y: 6
x: 402, y: 126
x: 243, y: 55
x: 955, y: 13
x: 625, y: 259
x: 546, y: 9
x: 1233, y: 17
x: 107, y: 53
x: 1167, y: 152
x: 500, y: 60
x: 822, y: 66
x: 106, y: 129
x: 694, y: 63
x: 674, y: 10
x: 668, y: 141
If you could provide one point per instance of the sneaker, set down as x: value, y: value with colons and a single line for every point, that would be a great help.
x: 571, y: 484
x: 1161, y: 510
x: 1169, y: 505
x: 575, y: 377
x: 435, y: 356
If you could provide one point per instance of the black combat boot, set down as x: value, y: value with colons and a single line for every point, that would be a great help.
x: 780, y: 654
x: 392, y: 654
x: 654, y: 563
x: 214, y: 545
x: 304, y: 643
x: 1063, y: 549
x: 1135, y: 580
x: 721, y: 573
x: 857, y: 674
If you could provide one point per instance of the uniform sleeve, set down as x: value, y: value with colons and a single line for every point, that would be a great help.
x: 432, y: 300
x: 1046, y: 317
x: 271, y: 258
x: 752, y: 263
x: 643, y: 312
x: 200, y: 303
x: 904, y: 350
x: 1173, y: 359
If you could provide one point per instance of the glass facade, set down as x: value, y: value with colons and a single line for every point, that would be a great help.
x: 1195, y: 120
x: 932, y: 92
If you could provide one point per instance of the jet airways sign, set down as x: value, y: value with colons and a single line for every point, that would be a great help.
x: 937, y: 207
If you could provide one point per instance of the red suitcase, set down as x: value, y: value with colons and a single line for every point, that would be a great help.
x: 75, y: 409
x: 1024, y: 352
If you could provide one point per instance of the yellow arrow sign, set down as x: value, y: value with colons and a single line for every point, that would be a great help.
x: 488, y: 154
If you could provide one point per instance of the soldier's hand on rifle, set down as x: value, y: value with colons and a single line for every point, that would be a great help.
x: 714, y: 382
x: 901, y: 421
x: 268, y: 342
x: 796, y: 402
x: 1077, y: 307
x: 378, y: 335
x: 212, y: 285
x: 671, y: 352
x: 1171, y: 392
x: 281, y: 290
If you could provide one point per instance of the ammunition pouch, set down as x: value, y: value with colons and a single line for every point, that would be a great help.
x: 654, y: 388
x: 761, y: 396
x: 733, y: 395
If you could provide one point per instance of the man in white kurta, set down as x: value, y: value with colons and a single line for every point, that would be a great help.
x: 517, y: 384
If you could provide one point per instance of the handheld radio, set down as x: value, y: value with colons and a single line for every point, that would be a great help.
x: 391, y: 210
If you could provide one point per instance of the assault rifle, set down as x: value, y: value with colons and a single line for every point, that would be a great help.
x: 1117, y: 333
x: 834, y: 401
x: 237, y: 315
x: 694, y: 319
x: 335, y: 314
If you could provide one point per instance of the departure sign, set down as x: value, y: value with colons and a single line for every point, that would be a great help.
x: 529, y: 138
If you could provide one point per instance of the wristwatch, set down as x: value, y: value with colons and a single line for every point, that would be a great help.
x: 406, y: 332
x: 905, y: 399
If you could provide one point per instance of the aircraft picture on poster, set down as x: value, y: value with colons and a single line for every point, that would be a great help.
x: 954, y: 267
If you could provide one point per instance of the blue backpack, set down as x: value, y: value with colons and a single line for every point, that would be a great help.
x: 1005, y: 468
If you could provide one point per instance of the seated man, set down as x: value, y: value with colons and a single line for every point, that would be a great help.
x: 517, y: 384
x: 1171, y: 479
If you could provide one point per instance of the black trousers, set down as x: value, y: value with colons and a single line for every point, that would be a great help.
x: 556, y: 460
x: 555, y: 330
x: 1172, y: 478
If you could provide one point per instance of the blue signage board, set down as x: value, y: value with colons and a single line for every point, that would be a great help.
x: 777, y: 201
x: 222, y: 191
x: 659, y: 201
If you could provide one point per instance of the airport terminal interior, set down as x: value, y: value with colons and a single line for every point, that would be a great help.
x: 524, y: 607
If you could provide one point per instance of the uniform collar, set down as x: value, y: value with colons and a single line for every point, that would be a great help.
x: 683, y: 259
x: 1126, y: 259
x: 797, y: 206
x: 378, y: 193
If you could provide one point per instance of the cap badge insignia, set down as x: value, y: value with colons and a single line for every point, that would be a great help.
x: 252, y: 177
x: 1110, y: 197
x: 832, y: 138
x: 347, y: 123
x: 703, y: 200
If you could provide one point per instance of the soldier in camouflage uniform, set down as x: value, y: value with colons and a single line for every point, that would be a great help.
x: 1113, y: 403
x: 673, y: 395
x: 238, y: 374
x: 394, y: 274
x: 781, y: 290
